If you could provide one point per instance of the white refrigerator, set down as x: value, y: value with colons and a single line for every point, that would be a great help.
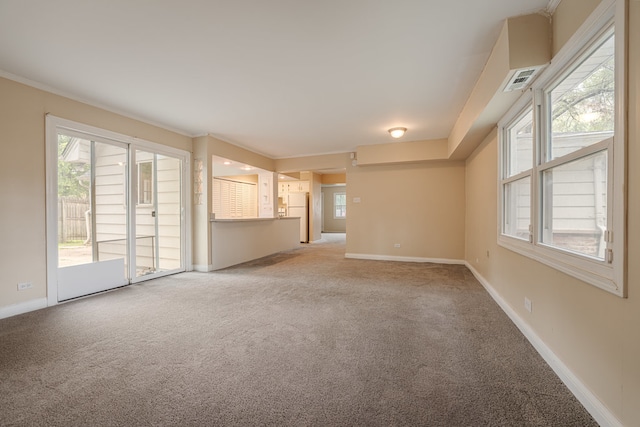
x: 298, y: 205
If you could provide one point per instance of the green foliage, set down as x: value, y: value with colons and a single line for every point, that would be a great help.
x: 73, y: 178
x: 589, y: 106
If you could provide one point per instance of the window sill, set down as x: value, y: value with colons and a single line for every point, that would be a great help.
x: 596, y: 273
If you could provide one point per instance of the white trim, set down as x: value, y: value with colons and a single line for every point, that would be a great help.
x: 51, y: 208
x: 375, y: 257
x: 53, y: 124
x: 551, y: 7
x: 580, y: 41
x: 202, y: 268
x: 187, y: 176
x: 590, y: 401
x: 23, y: 307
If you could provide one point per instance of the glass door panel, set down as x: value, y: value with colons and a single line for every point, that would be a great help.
x: 110, y: 203
x: 74, y: 201
x: 92, y: 215
x: 158, y: 214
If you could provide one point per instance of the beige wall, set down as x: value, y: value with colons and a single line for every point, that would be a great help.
x: 204, y: 148
x: 593, y: 332
x: 313, y: 163
x: 250, y: 179
x: 22, y: 177
x: 331, y: 224
x: 229, y: 151
x: 402, y: 152
x: 334, y: 178
x: 630, y: 340
x: 420, y: 206
x: 568, y: 16
x: 201, y: 226
x: 234, y: 242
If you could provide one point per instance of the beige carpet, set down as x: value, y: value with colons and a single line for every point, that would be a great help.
x: 301, y: 338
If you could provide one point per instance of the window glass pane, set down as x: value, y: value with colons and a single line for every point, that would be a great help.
x: 340, y: 205
x: 519, y: 149
x: 582, y: 104
x: 575, y: 205
x: 74, y: 201
x: 517, y: 208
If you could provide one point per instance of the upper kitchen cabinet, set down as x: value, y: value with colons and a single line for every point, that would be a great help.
x: 286, y: 187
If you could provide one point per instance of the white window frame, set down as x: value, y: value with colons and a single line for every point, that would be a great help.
x: 335, y: 204
x: 504, y: 165
x: 610, y: 273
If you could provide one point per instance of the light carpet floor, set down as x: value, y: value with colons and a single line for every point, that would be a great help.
x: 301, y: 338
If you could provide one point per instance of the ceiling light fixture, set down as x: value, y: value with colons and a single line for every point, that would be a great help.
x: 397, y: 132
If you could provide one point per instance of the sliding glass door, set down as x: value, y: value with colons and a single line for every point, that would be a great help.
x: 118, y: 215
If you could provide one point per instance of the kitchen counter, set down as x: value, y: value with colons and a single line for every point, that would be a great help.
x: 234, y: 241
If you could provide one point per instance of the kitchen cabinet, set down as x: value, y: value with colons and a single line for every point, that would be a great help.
x: 284, y: 188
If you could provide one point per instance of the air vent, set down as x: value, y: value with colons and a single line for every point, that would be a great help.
x: 521, y: 79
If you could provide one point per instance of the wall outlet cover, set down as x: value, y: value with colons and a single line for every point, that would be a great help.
x: 25, y: 285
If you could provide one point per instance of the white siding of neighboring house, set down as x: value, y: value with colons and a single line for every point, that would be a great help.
x: 169, y: 212
x: 167, y: 179
x: 110, y: 206
x: 579, y: 197
x: 110, y: 201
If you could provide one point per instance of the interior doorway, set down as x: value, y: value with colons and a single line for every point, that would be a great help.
x: 334, y: 208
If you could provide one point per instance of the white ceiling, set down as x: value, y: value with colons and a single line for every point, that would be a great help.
x: 283, y: 78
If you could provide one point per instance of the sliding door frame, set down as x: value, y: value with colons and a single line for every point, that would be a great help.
x: 185, y: 216
x: 53, y: 124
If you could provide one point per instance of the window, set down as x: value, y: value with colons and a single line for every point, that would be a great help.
x: 339, y: 205
x: 516, y: 185
x: 145, y: 183
x: 562, y: 160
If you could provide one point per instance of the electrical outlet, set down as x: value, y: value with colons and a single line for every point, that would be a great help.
x: 528, y: 304
x: 24, y: 286
x: 397, y: 245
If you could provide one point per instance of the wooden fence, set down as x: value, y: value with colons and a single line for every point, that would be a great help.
x: 72, y: 224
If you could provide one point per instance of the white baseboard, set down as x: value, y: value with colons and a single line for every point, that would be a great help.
x: 23, y: 307
x: 203, y: 268
x: 591, y: 403
x: 403, y: 258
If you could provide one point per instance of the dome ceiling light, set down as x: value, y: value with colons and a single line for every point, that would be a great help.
x: 397, y: 132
